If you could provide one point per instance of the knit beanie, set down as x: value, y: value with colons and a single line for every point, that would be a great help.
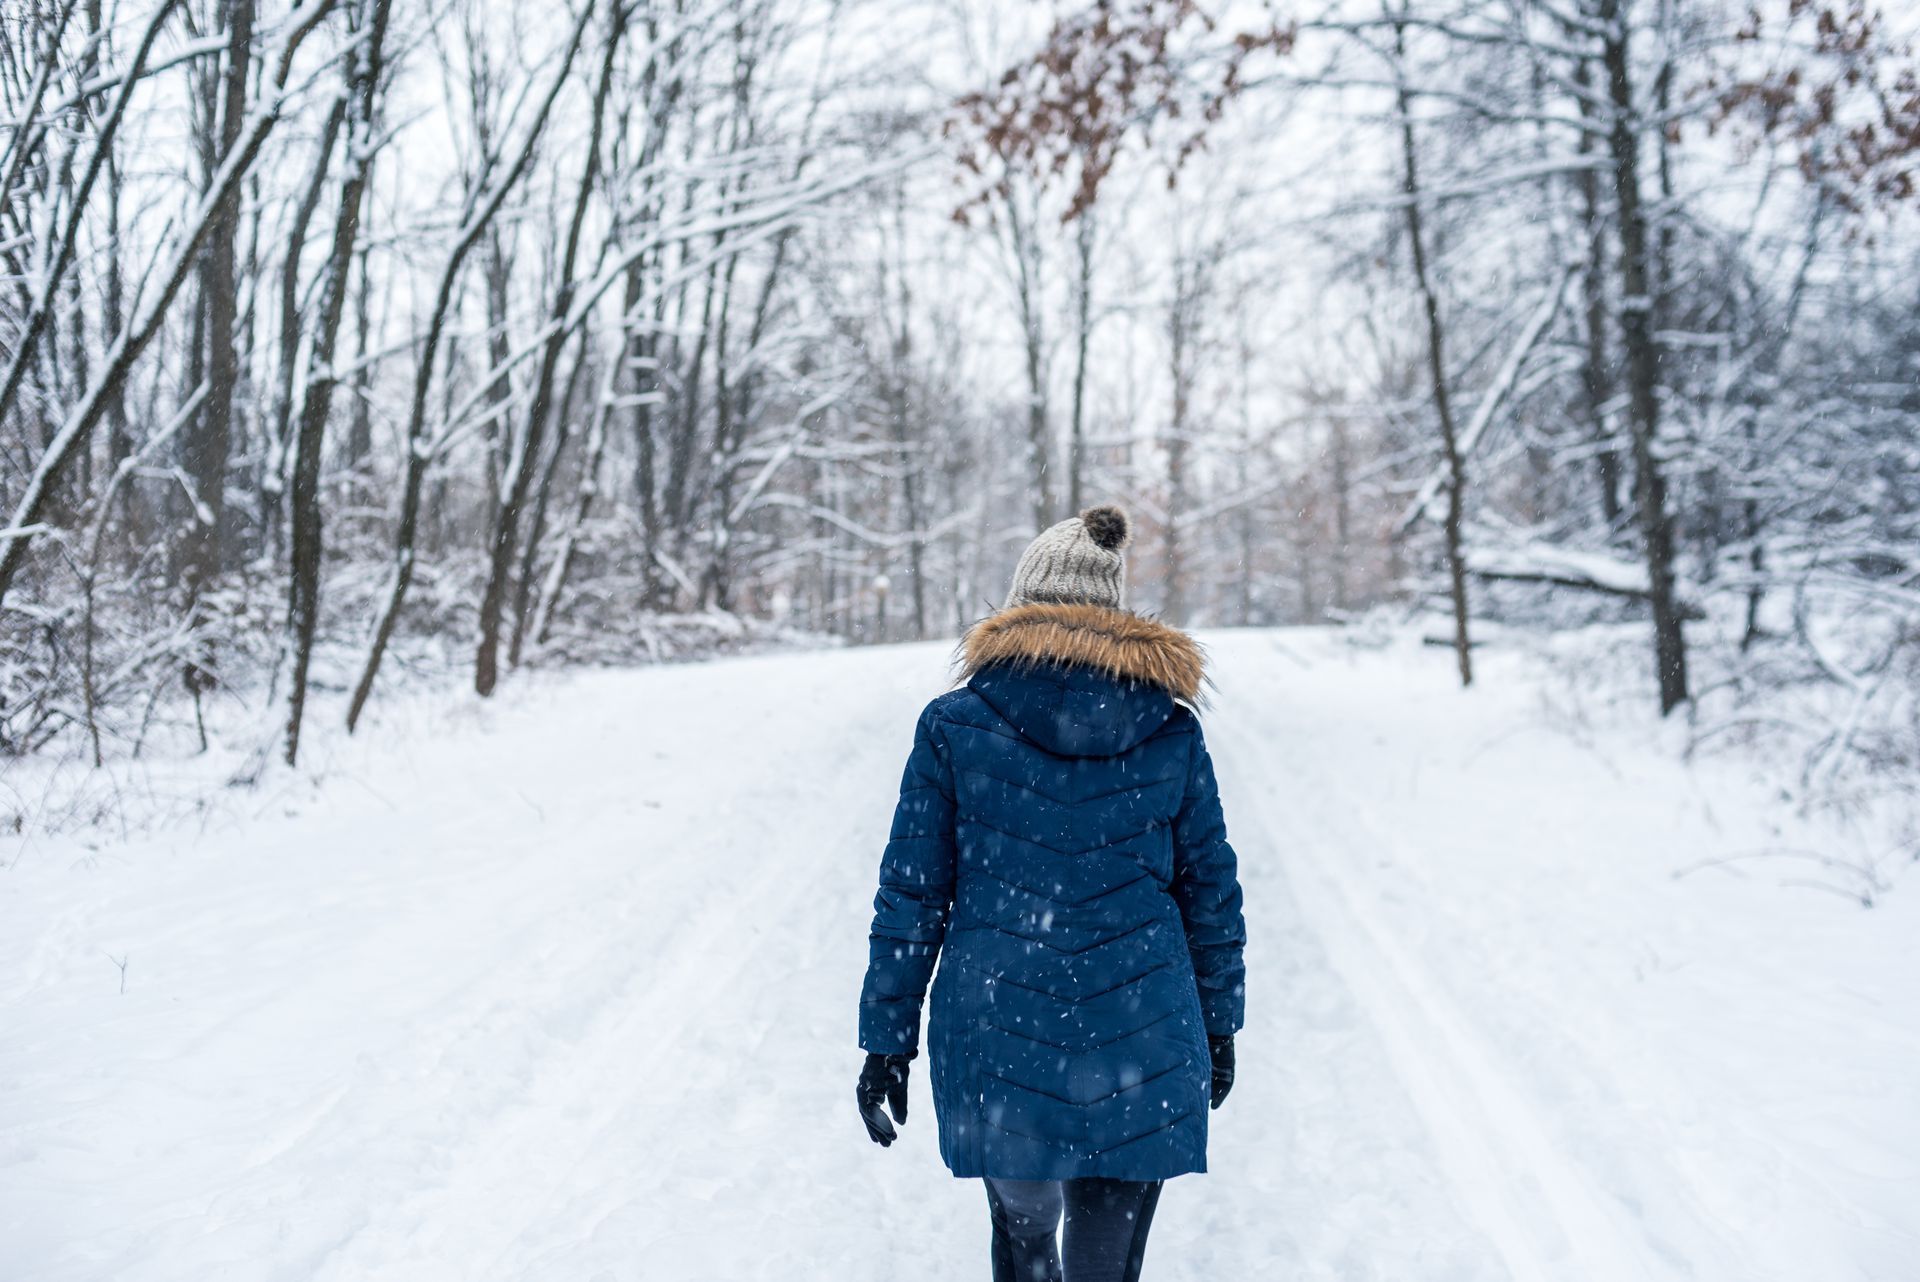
x: 1074, y: 562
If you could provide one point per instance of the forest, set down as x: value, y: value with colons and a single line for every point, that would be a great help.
x: 559, y: 659
x: 350, y: 345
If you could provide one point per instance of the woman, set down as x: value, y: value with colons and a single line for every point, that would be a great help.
x: 1060, y: 835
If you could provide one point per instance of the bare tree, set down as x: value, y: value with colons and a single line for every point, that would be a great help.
x: 1453, y: 522
x: 140, y: 331
x: 526, y: 458
x: 1641, y: 349
x: 362, y: 142
x: 208, y: 442
x: 488, y: 194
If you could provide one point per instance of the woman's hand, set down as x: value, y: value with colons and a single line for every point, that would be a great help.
x: 1221, y: 1049
x: 883, y: 1079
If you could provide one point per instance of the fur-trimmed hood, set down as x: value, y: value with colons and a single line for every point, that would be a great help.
x: 1123, y: 645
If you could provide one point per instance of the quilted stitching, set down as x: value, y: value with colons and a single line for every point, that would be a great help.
x: 1085, y: 911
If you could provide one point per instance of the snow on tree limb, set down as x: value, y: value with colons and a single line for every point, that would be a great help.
x: 1535, y: 561
x: 134, y: 339
x: 1495, y: 393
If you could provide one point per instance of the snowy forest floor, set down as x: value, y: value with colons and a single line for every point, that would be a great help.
x: 564, y: 988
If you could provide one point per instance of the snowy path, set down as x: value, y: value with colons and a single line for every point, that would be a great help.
x: 566, y: 992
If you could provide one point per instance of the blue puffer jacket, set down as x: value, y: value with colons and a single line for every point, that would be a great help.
x: 1059, y: 848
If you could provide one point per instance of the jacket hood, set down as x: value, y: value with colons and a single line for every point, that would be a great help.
x: 1081, y: 680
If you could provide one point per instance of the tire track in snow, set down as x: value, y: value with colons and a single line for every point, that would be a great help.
x: 1538, y: 1208
x: 496, y: 1206
x: 544, y: 1045
x: 502, y: 1176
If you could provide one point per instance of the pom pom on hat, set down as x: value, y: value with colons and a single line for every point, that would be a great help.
x: 1107, y: 526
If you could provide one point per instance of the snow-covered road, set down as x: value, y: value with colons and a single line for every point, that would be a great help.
x: 565, y: 990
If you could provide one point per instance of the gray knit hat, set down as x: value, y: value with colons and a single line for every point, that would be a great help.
x: 1074, y: 562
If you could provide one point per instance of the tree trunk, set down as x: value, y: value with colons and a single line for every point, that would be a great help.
x: 1039, y: 432
x: 1643, y: 368
x: 1595, y: 383
x: 281, y: 428
x: 119, y: 442
x: 898, y: 410
x: 715, y: 581
x: 499, y: 351
x: 543, y: 494
x: 1174, y: 596
x: 303, y: 594
x: 1082, y: 343
x: 486, y: 669
x: 1342, y: 513
x: 640, y: 374
x: 360, y: 429
x: 684, y: 423
x: 209, y: 441
x: 1033, y: 336
x: 586, y: 492
x: 1436, y: 366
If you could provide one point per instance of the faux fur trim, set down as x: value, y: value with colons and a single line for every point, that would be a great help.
x: 1128, y: 646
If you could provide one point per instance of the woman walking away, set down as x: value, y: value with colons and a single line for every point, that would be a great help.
x: 1059, y: 836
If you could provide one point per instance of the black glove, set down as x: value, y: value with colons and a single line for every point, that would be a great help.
x: 883, y: 1080
x: 1222, y: 1050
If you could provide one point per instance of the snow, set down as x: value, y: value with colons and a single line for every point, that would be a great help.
x: 564, y: 987
x: 1536, y: 559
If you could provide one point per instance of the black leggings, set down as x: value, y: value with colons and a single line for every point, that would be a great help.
x: 1106, y: 1237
